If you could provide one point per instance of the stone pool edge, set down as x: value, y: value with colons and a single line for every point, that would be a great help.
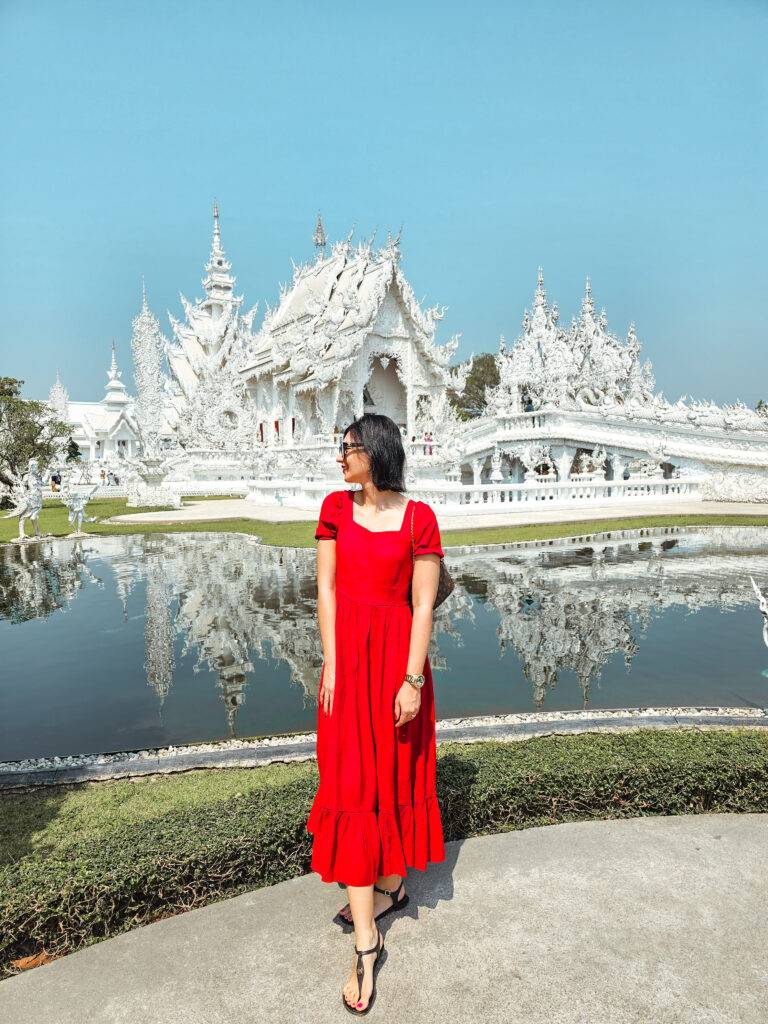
x: 301, y: 746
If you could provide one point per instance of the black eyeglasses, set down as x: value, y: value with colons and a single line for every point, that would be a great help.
x: 344, y: 447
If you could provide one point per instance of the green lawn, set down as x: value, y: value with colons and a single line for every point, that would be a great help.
x: 53, y: 520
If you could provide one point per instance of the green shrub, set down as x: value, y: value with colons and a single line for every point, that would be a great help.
x: 83, y: 863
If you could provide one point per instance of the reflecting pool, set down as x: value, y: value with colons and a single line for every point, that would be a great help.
x: 121, y: 643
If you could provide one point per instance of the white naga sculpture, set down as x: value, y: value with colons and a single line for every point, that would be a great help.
x: 27, y: 497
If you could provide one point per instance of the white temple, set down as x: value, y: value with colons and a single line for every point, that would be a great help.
x: 102, y: 430
x: 575, y: 416
x: 347, y: 337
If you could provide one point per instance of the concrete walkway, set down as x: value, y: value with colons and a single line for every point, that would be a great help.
x: 624, y: 922
x: 240, y: 508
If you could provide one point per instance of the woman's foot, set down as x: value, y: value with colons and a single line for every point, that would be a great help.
x: 380, y: 902
x: 351, y: 989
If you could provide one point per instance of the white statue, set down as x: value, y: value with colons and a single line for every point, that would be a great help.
x: 27, y: 496
x: 76, y: 502
x: 763, y: 605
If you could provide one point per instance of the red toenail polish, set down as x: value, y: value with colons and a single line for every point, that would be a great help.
x: 359, y: 1004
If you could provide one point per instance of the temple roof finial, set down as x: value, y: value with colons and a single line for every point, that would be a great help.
x: 319, y: 237
x: 393, y: 244
x: 540, y: 298
x: 587, y: 303
x: 541, y: 295
x: 144, y: 306
x: 115, y: 389
x: 216, y: 247
x: 114, y: 373
x: 218, y: 282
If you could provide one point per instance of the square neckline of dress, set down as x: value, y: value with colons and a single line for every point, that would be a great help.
x: 352, y: 516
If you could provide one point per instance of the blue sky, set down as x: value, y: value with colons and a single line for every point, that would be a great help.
x: 621, y: 140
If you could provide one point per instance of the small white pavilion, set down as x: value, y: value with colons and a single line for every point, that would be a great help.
x: 104, y: 429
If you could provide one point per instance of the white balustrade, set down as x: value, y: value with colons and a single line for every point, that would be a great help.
x: 482, y: 497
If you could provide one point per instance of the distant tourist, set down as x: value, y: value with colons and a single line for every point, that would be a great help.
x: 56, y: 480
x: 429, y: 446
x: 103, y: 475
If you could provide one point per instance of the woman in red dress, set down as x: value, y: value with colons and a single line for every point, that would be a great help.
x: 375, y: 812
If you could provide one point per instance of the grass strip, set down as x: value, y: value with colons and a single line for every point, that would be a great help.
x: 300, y: 533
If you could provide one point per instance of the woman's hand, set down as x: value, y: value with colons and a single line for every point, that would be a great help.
x: 407, y: 703
x: 327, y: 689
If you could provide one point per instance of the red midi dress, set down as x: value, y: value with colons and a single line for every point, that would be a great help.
x: 375, y: 811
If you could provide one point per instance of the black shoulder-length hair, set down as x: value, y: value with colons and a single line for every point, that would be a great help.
x: 384, y: 445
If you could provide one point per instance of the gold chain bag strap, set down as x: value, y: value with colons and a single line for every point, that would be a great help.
x: 446, y: 582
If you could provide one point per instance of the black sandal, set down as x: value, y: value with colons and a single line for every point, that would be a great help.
x: 377, y: 949
x: 396, y: 905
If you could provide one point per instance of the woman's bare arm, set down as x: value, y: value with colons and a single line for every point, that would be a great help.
x: 426, y: 576
x: 326, y: 614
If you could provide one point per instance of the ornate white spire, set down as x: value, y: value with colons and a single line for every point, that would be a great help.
x: 218, y: 283
x: 58, y: 399
x: 587, y: 304
x: 216, y: 230
x: 541, y: 294
x: 115, y: 392
x: 319, y: 237
x: 540, y: 308
x: 147, y: 345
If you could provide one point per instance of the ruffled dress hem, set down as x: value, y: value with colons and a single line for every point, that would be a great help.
x: 357, y: 847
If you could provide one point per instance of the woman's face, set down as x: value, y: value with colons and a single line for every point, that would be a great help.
x: 355, y: 463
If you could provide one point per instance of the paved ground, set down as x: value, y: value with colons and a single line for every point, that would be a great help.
x: 240, y: 508
x: 661, y: 920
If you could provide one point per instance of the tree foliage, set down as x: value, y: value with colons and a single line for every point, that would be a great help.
x: 28, y: 429
x: 484, y: 373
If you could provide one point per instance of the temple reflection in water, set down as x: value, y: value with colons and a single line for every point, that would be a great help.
x: 236, y: 610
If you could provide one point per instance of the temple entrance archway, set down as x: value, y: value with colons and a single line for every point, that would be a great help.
x: 384, y: 392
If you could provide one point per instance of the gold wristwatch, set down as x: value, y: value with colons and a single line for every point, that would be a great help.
x: 417, y: 681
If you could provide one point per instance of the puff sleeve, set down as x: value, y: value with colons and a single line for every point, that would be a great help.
x: 426, y: 532
x: 330, y: 511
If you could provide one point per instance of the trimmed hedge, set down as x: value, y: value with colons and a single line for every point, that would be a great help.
x: 84, y: 863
